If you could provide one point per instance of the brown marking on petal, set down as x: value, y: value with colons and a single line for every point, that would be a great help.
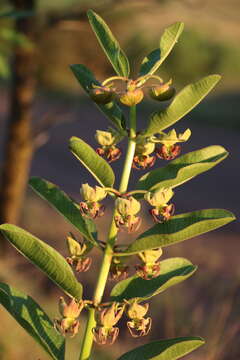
x: 168, y: 153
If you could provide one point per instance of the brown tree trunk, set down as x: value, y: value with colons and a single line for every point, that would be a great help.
x: 19, y: 143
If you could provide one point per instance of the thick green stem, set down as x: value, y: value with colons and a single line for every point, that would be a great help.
x: 88, y: 337
x: 107, y: 258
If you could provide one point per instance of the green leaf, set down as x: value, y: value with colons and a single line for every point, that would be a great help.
x: 182, y: 104
x: 170, y: 349
x: 94, y: 163
x: 65, y: 206
x: 33, y: 319
x: 109, y: 44
x: 86, y: 79
x: 44, y: 257
x: 173, y: 271
x: 182, y: 169
x: 180, y: 228
x: 169, y: 38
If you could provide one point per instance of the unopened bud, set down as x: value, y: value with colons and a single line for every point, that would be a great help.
x: 74, y: 247
x: 102, y: 94
x: 160, y: 197
x: 91, y: 194
x: 132, y: 97
x: 162, y: 92
x: 72, y: 310
x: 137, y: 311
x: 144, y: 147
x: 105, y: 138
x: 128, y: 206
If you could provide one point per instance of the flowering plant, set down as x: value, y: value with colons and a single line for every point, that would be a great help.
x: 146, y: 147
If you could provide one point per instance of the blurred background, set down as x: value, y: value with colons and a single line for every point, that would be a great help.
x: 42, y: 106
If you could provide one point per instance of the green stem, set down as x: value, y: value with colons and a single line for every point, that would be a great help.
x: 113, y: 230
x: 88, y: 337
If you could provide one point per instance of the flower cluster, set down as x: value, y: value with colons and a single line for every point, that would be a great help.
x: 151, y: 266
x: 138, y: 324
x: 169, y: 148
x: 105, y: 331
x: 118, y: 270
x: 161, y: 210
x: 133, y: 93
x: 91, y: 207
x: 142, y: 158
x: 126, y: 218
x: 108, y: 141
x: 78, y: 252
x: 68, y: 324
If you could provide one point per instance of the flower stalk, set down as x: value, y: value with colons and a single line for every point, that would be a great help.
x: 109, y: 250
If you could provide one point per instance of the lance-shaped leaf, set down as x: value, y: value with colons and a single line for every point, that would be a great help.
x: 170, y: 349
x: 169, y: 38
x: 33, y: 319
x: 109, y: 44
x: 182, y: 104
x: 173, y: 271
x: 45, y: 258
x: 111, y: 110
x: 180, y: 228
x: 94, y: 163
x: 182, y: 169
x: 65, y: 206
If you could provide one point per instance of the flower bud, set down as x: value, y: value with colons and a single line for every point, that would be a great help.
x: 151, y: 256
x: 72, y: 310
x: 102, y: 94
x: 126, y: 211
x: 129, y: 206
x: 160, y: 197
x: 105, y: 138
x: 91, y: 194
x: 137, y: 311
x: 74, y: 247
x: 162, y: 92
x: 151, y: 267
x: 131, y: 98
x: 145, y: 147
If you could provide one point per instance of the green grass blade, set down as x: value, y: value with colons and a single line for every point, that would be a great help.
x: 45, y: 258
x: 94, y: 163
x: 180, y: 228
x: 152, y: 62
x: 173, y: 271
x: 109, y: 44
x: 65, y: 206
x: 111, y: 110
x: 33, y: 319
x: 170, y: 349
x: 182, y: 104
x: 182, y: 169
